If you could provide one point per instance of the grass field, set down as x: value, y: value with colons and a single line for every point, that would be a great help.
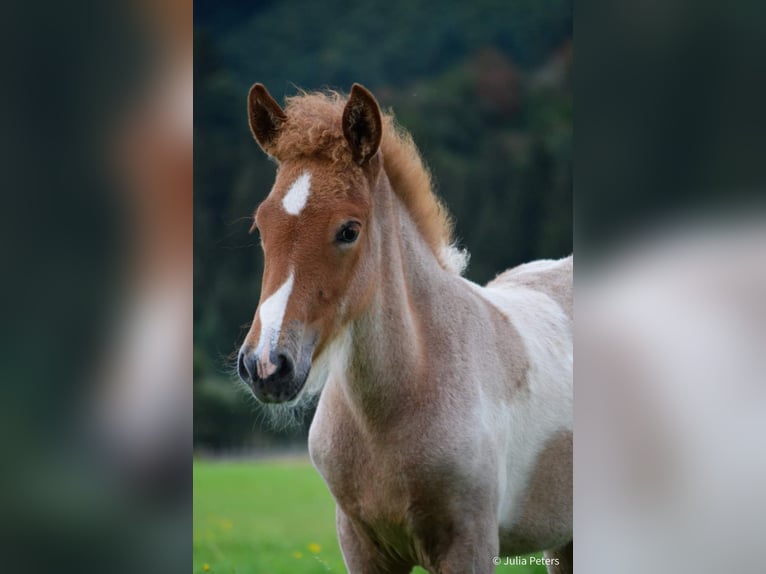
x: 270, y: 518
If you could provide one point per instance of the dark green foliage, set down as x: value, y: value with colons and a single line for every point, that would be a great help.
x: 484, y: 87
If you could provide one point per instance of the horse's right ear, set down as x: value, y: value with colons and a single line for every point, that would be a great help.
x: 265, y: 116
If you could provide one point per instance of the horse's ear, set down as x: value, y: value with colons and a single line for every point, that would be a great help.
x: 362, y: 124
x: 265, y: 116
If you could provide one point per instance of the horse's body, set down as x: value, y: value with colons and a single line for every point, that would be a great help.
x: 444, y: 428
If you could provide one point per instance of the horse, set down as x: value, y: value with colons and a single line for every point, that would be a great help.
x: 443, y: 427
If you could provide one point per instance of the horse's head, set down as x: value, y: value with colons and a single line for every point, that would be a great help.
x: 319, y: 265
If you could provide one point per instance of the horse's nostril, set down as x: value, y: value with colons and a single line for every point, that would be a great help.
x: 250, y: 373
x: 245, y: 373
x: 284, y: 366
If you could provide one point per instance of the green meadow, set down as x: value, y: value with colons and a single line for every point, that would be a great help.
x: 274, y: 517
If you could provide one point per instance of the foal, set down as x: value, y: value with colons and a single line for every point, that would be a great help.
x: 444, y: 424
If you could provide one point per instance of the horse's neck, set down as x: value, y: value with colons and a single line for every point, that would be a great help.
x: 389, y: 346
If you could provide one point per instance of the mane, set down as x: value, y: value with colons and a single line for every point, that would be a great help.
x: 313, y: 129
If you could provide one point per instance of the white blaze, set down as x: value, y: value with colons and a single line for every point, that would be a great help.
x: 296, y: 197
x: 272, y: 312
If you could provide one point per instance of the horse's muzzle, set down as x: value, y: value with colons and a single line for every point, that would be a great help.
x: 280, y: 384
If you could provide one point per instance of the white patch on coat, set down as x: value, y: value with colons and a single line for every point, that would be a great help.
x: 454, y: 258
x: 272, y: 312
x: 529, y: 423
x: 295, y: 199
x: 333, y: 362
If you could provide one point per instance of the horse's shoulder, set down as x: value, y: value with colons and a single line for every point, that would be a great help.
x: 550, y: 276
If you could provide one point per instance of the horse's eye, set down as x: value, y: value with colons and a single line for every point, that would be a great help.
x: 348, y: 233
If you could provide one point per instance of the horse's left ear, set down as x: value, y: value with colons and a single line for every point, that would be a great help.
x: 362, y: 124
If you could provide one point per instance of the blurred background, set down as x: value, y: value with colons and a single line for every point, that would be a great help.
x: 670, y: 330
x: 96, y: 361
x: 485, y: 88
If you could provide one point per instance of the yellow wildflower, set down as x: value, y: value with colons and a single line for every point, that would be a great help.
x: 206, y: 567
x: 314, y: 548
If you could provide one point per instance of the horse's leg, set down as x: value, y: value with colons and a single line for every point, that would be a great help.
x: 360, y: 553
x: 564, y: 563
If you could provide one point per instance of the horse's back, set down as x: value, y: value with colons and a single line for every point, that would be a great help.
x: 552, y: 277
